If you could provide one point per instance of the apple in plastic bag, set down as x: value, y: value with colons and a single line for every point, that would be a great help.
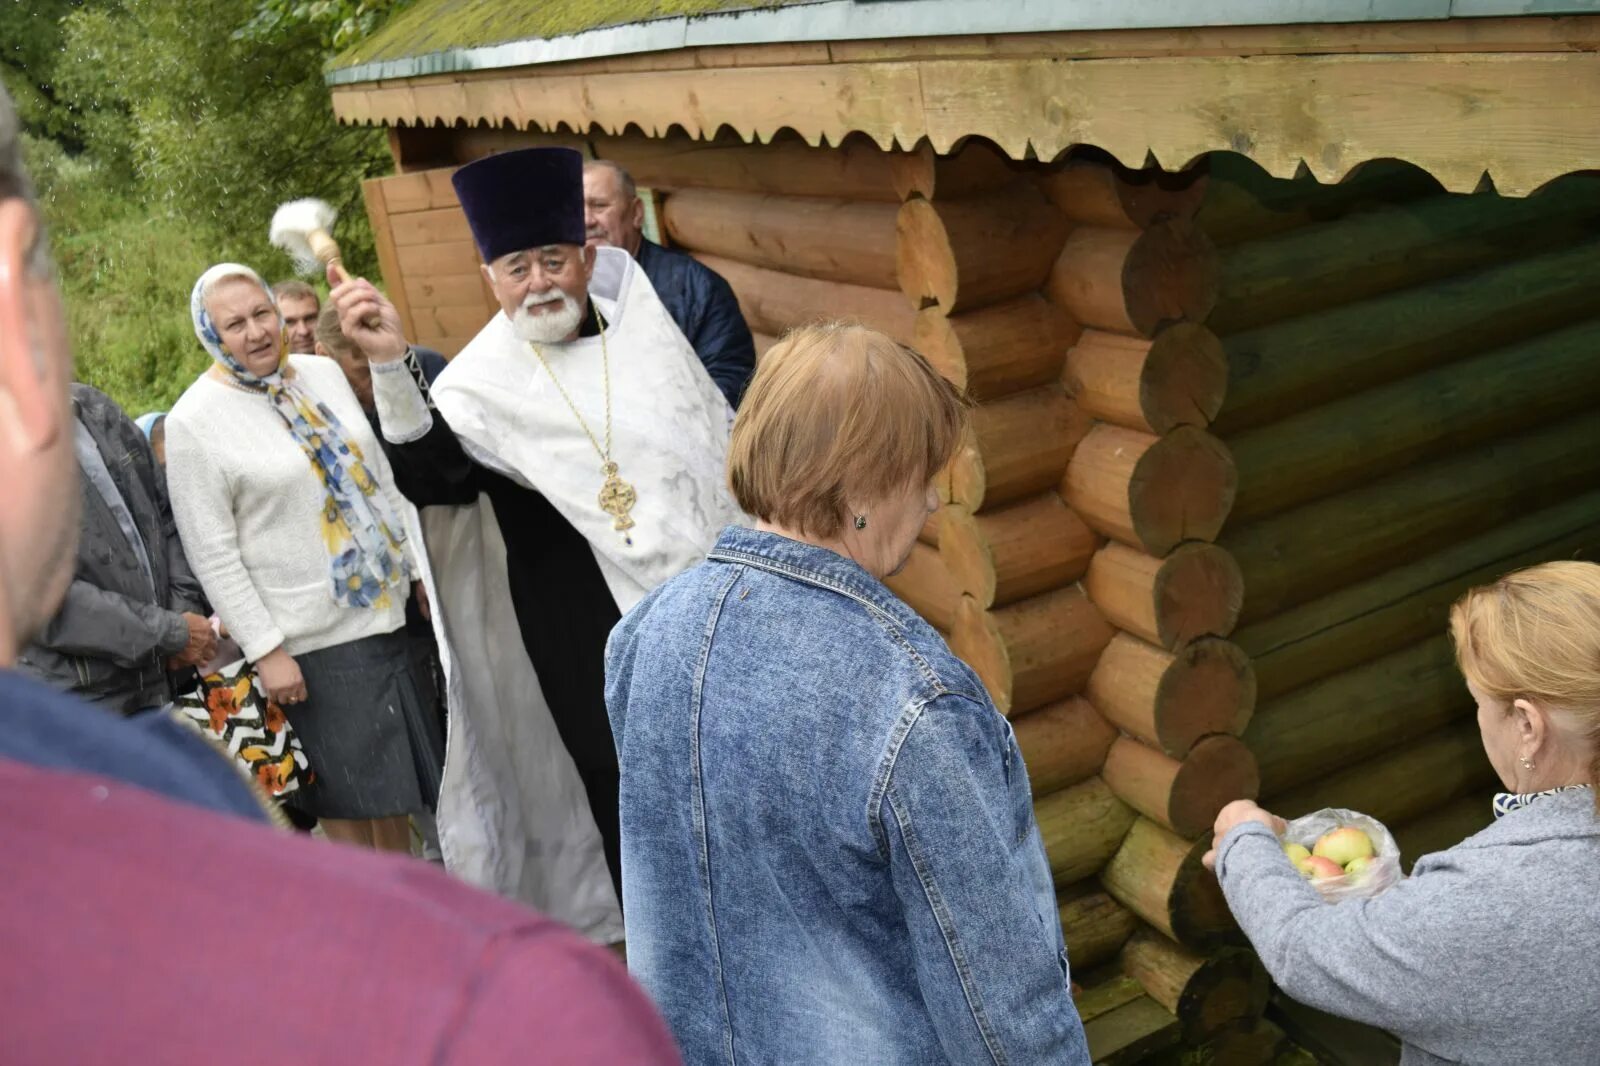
x: 1298, y: 854
x: 1343, y: 846
x: 1320, y: 868
x: 1359, y: 867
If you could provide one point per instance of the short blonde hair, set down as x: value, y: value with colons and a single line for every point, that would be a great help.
x: 1535, y: 635
x: 838, y: 415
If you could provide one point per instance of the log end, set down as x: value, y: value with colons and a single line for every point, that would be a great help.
x: 1210, y: 687
x: 936, y: 339
x: 976, y: 640
x: 1218, y: 770
x: 1194, y: 592
x: 1171, y: 274
x: 925, y: 262
x: 1197, y: 592
x: 1185, y: 378
x: 1181, y: 489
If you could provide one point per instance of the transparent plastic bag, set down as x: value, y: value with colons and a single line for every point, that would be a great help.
x: 1381, y: 875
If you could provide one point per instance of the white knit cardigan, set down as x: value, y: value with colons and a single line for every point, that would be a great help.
x: 248, y: 505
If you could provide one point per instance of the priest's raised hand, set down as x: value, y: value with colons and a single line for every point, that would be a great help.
x: 368, y: 318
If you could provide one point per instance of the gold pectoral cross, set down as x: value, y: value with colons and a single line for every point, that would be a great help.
x: 617, y: 499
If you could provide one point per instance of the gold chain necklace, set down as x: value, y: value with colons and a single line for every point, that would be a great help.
x: 617, y: 497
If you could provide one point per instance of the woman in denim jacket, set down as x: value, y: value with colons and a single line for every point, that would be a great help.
x: 828, y: 846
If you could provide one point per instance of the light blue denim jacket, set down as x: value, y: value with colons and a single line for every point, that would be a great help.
x: 828, y: 847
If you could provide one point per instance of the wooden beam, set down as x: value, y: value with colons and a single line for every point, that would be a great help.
x: 1158, y: 876
x: 1012, y: 552
x: 1403, y: 784
x: 858, y: 170
x: 1356, y: 714
x: 1398, y: 607
x: 997, y: 350
x: 1033, y: 652
x: 1207, y: 993
x: 974, y: 169
x: 1062, y: 743
x: 1313, y: 549
x: 774, y: 302
x: 831, y: 239
x: 979, y: 250
x: 1093, y: 924
x: 1392, y: 247
x: 1354, y: 107
x: 1081, y: 826
x: 374, y: 194
x: 925, y: 584
x: 1285, y: 367
x: 1016, y: 447
x: 1106, y: 194
x: 1438, y: 412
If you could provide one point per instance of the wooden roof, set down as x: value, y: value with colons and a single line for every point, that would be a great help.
x: 1511, y: 101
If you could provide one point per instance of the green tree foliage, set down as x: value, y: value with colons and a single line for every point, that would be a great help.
x: 162, y: 134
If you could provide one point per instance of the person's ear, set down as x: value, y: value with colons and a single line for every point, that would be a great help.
x: 638, y: 214
x: 30, y: 409
x: 317, y: 348
x: 1532, y: 723
x: 589, y: 256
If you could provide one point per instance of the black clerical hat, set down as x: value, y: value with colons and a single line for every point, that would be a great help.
x: 523, y: 199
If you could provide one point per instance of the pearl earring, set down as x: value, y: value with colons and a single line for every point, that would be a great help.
x: 861, y: 521
x: 1526, y: 765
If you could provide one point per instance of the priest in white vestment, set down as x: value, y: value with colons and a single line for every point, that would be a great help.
x: 578, y: 446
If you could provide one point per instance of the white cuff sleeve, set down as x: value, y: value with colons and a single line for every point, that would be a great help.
x: 404, y: 413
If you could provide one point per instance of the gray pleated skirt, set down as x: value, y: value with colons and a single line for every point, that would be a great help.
x: 370, y: 730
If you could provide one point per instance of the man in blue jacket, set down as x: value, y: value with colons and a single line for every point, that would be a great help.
x: 699, y: 300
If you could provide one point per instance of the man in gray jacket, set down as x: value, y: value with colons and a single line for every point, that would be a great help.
x: 133, y: 614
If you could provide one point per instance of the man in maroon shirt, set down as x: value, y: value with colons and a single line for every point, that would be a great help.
x: 146, y: 912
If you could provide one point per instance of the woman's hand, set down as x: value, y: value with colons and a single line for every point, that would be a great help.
x: 281, y: 678
x: 1236, y: 814
x: 368, y: 319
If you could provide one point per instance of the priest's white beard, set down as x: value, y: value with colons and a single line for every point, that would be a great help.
x: 547, y: 327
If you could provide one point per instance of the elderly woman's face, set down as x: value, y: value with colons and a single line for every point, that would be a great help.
x: 248, y: 324
x: 891, y: 530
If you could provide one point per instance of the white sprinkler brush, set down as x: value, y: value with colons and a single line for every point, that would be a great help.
x: 301, y: 228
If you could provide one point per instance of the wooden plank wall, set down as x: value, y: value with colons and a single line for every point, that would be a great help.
x: 1412, y: 380
x: 430, y: 265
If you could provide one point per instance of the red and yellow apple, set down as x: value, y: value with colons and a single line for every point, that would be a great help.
x: 1319, y: 868
x: 1343, y: 846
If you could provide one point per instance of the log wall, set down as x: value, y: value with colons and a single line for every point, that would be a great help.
x: 1409, y: 406
x: 1235, y: 440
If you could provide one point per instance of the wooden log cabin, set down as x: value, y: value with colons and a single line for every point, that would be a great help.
x: 1280, y: 336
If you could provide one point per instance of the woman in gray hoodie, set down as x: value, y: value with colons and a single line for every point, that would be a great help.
x: 1489, y: 952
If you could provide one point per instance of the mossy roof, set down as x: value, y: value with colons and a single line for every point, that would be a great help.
x: 439, y: 25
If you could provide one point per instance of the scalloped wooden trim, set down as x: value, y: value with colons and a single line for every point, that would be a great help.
x: 1521, y: 118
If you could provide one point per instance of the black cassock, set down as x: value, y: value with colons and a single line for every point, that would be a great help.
x: 564, y: 607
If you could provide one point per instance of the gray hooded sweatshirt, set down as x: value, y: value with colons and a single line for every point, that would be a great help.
x: 1489, y: 953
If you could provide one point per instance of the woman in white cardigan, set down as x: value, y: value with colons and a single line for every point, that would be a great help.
x: 291, y: 520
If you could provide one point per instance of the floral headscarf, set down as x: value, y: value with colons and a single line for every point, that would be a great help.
x: 365, y: 541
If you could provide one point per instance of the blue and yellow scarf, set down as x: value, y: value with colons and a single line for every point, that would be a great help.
x: 365, y: 541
